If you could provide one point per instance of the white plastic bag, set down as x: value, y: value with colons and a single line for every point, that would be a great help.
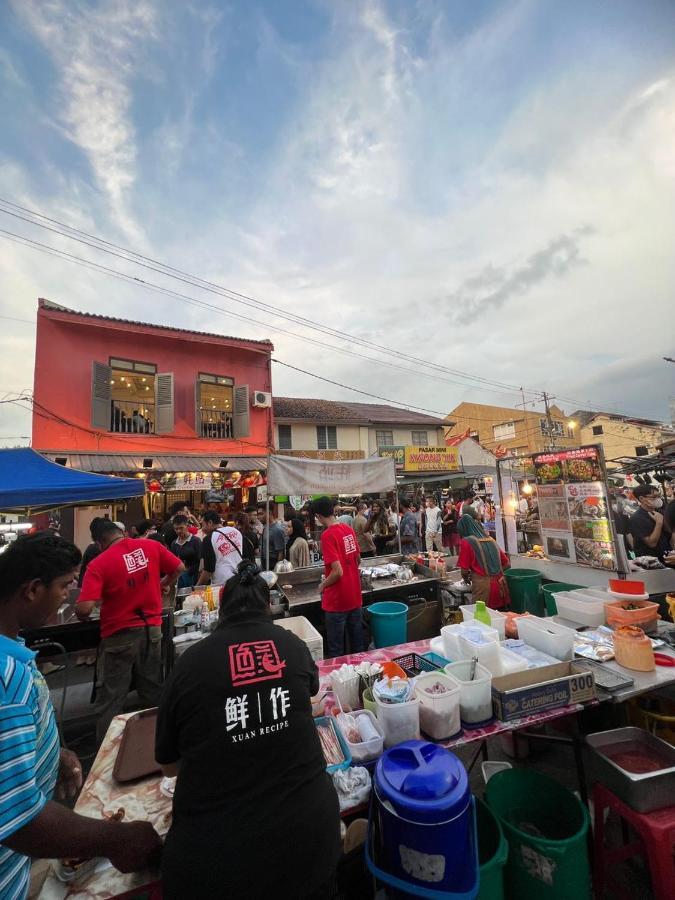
x: 352, y: 786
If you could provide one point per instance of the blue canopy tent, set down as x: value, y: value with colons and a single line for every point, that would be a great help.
x: 31, y: 483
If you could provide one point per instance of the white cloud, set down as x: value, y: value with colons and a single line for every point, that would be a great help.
x: 96, y: 52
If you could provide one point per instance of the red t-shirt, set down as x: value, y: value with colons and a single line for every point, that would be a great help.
x: 339, y: 543
x: 125, y: 578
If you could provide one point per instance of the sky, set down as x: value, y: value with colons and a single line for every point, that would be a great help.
x: 488, y: 187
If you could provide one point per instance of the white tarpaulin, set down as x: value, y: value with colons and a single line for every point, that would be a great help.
x: 291, y: 475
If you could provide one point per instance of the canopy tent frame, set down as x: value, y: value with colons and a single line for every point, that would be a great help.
x: 289, y: 475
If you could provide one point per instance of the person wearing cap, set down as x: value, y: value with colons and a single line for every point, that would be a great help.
x: 127, y: 579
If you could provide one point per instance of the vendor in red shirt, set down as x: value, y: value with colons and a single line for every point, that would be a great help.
x: 341, y: 598
x: 482, y: 563
x: 127, y: 579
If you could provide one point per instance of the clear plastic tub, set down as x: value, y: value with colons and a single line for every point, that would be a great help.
x: 498, y: 618
x: 549, y: 637
x: 439, y: 713
x: 488, y: 653
x: 510, y: 662
x: 400, y: 721
x: 586, y: 612
x: 475, y: 698
x: 365, y: 751
x: 452, y: 633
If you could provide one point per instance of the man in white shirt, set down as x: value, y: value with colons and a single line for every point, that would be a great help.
x: 221, y: 551
x: 434, y: 539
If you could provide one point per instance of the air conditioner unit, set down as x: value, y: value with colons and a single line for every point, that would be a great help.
x: 261, y: 400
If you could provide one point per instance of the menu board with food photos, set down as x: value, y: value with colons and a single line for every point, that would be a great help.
x: 574, y: 508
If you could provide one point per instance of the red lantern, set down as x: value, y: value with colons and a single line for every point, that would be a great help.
x: 154, y: 487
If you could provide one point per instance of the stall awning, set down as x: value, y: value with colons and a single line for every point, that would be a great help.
x: 290, y: 475
x: 29, y: 481
x: 119, y: 462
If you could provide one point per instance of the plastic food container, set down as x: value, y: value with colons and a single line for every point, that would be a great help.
x: 303, y: 628
x: 365, y: 751
x: 452, y: 633
x: 439, y: 713
x: 547, y: 636
x: 510, y: 662
x: 633, y: 649
x: 475, y: 697
x: 400, y: 721
x: 488, y: 653
x: 588, y: 611
x: 498, y: 618
x: 635, y: 765
x: 632, y: 612
x: 626, y: 588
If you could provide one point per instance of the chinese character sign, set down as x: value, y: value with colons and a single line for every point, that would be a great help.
x: 255, y: 661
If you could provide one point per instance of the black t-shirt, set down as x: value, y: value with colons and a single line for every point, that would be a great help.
x: 168, y: 533
x: 641, y: 526
x: 189, y: 553
x: 253, y: 805
x: 90, y: 553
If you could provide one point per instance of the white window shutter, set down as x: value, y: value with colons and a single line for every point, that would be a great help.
x: 164, y: 408
x: 101, y: 396
x: 241, y: 417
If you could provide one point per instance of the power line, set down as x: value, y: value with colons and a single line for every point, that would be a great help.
x: 15, y: 319
x: 130, y: 279
x: 154, y: 265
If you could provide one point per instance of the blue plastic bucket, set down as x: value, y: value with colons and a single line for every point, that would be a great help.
x: 389, y: 623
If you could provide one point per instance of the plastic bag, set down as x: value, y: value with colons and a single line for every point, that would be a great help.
x: 352, y: 786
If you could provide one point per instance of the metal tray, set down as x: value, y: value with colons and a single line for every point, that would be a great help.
x: 643, y: 793
x: 605, y: 678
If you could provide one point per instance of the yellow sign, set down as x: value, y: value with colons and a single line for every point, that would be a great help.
x: 431, y: 459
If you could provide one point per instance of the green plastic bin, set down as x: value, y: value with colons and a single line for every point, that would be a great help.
x: 492, y: 853
x: 549, y: 590
x: 525, y: 590
x: 547, y: 829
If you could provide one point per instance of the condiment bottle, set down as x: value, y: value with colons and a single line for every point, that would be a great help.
x: 481, y: 614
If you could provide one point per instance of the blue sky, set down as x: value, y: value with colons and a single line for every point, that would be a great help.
x: 487, y: 185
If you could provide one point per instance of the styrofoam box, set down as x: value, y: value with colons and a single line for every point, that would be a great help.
x: 497, y: 618
x: 303, y: 628
x: 547, y: 636
x: 590, y: 611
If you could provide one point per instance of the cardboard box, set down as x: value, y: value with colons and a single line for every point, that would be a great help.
x: 536, y: 690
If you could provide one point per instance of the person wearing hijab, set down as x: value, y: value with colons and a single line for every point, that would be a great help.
x: 297, y: 548
x: 482, y: 563
x: 255, y: 814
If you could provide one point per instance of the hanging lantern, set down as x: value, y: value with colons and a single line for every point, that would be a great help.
x: 154, y: 487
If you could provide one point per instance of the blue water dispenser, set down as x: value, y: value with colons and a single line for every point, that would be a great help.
x: 422, y: 829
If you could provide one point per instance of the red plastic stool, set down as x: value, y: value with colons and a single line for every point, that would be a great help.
x: 657, y: 832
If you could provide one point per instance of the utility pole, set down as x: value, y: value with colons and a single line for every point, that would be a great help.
x: 549, y: 420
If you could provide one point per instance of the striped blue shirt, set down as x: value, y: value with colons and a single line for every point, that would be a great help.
x: 29, y: 756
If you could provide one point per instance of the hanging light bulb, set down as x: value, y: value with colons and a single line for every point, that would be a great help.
x: 527, y: 487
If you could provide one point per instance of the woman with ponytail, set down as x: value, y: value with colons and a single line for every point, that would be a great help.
x: 254, y: 813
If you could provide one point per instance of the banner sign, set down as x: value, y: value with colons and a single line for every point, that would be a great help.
x: 431, y: 459
x: 290, y: 475
x: 396, y: 453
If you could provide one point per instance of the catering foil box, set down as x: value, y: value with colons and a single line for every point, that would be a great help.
x: 536, y: 690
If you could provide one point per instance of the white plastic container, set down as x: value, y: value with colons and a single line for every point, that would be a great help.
x: 347, y: 691
x: 452, y: 633
x: 586, y: 612
x: 304, y: 629
x: 488, y: 653
x: 491, y: 767
x: 439, y: 713
x: 475, y: 697
x: 400, y: 721
x: 549, y: 637
x: 498, y: 619
x: 510, y: 662
x: 365, y: 751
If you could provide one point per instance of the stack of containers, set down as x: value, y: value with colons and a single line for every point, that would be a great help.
x: 585, y: 606
x: 497, y: 619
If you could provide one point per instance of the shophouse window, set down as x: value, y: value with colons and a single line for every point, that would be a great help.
x: 384, y: 438
x: 326, y: 437
x: 474, y: 436
x: 133, y: 400
x: 420, y: 439
x: 642, y: 451
x: 215, y: 401
x: 285, y: 437
x: 504, y: 432
x: 597, y: 429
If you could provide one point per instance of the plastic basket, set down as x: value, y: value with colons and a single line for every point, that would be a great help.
x: 330, y: 721
x: 413, y: 664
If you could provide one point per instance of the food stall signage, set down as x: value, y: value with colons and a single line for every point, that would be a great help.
x: 397, y: 453
x: 431, y: 459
